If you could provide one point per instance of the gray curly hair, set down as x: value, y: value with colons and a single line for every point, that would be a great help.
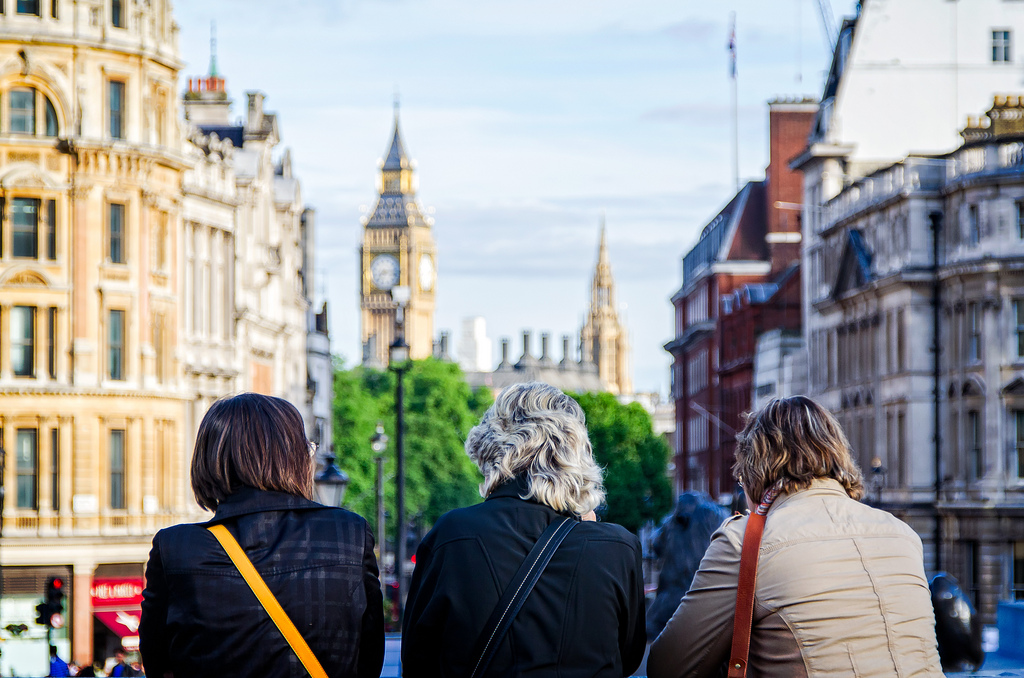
x: 538, y: 430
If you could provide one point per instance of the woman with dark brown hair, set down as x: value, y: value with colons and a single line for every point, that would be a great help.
x: 839, y: 587
x: 201, y: 610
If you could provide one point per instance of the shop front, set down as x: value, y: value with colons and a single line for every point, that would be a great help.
x: 116, y: 605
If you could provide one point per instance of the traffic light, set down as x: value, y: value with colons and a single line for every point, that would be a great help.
x: 50, y: 612
x: 55, y: 594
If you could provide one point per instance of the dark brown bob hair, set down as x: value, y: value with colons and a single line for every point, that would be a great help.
x: 251, y: 440
x: 794, y: 440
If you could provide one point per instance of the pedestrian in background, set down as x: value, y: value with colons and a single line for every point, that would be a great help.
x: 585, y: 616
x: 840, y: 586
x: 58, y: 667
x: 253, y: 466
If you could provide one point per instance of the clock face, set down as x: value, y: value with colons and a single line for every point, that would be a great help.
x: 426, y: 273
x: 384, y: 271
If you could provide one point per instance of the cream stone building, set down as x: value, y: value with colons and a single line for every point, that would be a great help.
x: 147, y: 267
x: 92, y: 395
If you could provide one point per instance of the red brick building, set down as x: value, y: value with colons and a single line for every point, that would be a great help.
x: 741, y: 279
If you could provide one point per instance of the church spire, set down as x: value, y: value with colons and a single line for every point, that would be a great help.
x: 603, y: 338
x: 396, y: 158
x: 603, y: 283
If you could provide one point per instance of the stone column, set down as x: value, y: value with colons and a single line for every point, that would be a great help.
x: 67, y: 429
x: 5, y: 343
x: 81, y: 613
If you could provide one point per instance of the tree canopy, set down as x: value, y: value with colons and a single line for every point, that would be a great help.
x: 440, y: 408
x: 633, y: 457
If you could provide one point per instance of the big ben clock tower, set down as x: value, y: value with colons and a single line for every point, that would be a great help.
x: 398, y: 251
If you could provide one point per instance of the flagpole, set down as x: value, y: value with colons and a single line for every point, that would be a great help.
x: 735, y: 107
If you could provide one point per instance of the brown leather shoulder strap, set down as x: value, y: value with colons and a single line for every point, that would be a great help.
x: 744, y: 619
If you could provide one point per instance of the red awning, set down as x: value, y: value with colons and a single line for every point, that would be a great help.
x: 116, y: 602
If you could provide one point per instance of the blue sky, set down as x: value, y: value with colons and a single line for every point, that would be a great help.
x: 528, y: 120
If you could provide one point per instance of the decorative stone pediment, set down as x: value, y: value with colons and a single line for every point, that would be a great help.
x: 25, y: 278
x: 1014, y: 388
x: 26, y: 175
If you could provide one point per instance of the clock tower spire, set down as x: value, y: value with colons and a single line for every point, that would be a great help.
x: 398, y: 250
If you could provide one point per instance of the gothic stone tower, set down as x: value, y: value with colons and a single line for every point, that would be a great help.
x: 603, y: 338
x: 398, y: 251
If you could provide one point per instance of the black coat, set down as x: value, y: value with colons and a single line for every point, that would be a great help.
x: 199, y: 617
x: 584, y: 618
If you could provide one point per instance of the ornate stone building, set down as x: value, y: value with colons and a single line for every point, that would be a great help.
x: 603, y: 338
x: 248, y: 258
x: 398, y: 251
x: 143, y: 273
x: 92, y: 388
x: 918, y: 346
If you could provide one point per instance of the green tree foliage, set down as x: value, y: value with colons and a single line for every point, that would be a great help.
x: 440, y: 409
x: 633, y: 458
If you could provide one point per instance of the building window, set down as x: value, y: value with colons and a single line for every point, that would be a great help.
x: 1018, y: 325
x: 23, y: 341
x: 115, y: 234
x: 1001, y: 45
x: 53, y: 9
x: 1019, y: 213
x: 117, y: 468
x: 972, y: 568
x: 27, y: 445
x: 1018, y: 444
x: 117, y: 13
x: 25, y: 227
x: 116, y: 109
x: 158, y: 347
x: 973, y: 227
x: 901, y: 343
x: 28, y: 7
x: 51, y: 335
x: 51, y: 230
x: 51, y: 118
x: 23, y: 111
x: 973, y: 332
x: 977, y: 469
x: 55, y: 469
x: 1017, y: 585
x: 115, y: 346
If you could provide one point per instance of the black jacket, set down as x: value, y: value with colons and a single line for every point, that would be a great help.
x: 584, y: 618
x: 199, y: 617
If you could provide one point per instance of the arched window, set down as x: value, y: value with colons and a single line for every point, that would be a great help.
x: 26, y: 105
x: 23, y: 111
x: 51, y: 118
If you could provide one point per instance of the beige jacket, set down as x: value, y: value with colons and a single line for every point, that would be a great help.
x: 840, y: 591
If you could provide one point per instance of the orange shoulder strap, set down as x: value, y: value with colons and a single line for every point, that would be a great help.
x: 268, y: 601
x: 744, y: 618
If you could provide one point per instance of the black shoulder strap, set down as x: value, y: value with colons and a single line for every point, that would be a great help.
x: 516, y: 593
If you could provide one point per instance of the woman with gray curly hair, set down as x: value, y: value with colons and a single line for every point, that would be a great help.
x: 585, y: 615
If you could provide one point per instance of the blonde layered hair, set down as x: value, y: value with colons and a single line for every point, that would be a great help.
x: 795, y: 441
x: 538, y: 430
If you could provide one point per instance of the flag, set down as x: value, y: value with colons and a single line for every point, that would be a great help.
x: 732, y: 47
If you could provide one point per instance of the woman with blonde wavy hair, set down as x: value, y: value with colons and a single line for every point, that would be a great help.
x: 839, y: 587
x: 585, y: 615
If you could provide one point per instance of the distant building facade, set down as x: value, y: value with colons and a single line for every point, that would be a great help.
x: 247, y: 259
x: 398, y: 250
x: 740, y: 280
x: 919, y: 347
x: 570, y: 373
x: 475, y: 347
x: 929, y: 413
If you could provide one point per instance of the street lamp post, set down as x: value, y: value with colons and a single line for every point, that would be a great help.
x: 379, y: 443
x: 877, y: 478
x: 399, y: 362
x: 331, y: 482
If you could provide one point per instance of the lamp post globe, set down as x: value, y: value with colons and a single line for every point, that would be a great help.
x: 331, y: 482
